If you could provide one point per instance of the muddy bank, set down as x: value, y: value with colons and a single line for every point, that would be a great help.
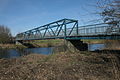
x: 62, y: 66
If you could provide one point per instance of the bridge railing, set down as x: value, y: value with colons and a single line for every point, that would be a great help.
x: 96, y: 29
x: 99, y: 29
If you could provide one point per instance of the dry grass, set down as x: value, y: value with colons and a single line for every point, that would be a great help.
x: 47, y: 43
x: 61, y: 66
x: 7, y: 45
x: 11, y: 46
x: 112, y: 44
x: 94, y: 41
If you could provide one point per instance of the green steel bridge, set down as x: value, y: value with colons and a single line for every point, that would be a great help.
x: 70, y: 30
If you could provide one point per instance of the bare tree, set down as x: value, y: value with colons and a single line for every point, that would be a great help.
x: 110, y: 10
x: 5, y: 34
x: 110, y: 13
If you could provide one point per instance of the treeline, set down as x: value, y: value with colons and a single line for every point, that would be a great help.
x: 5, y: 35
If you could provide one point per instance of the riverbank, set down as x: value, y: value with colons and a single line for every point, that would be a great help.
x: 47, y: 43
x: 94, y: 41
x: 109, y: 44
x: 35, y: 43
x: 61, y: 66
x: 12, y: 46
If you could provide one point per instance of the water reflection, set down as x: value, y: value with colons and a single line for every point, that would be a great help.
x: 93, y: 47
x: 13, y: 53
x: 40, y: 50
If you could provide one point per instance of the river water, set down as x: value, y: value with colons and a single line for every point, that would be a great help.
x: 14, y: 53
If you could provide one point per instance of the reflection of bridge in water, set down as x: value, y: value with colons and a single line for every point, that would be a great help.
x: 68, y: 29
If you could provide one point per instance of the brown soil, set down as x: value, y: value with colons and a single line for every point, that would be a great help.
x: 62, y: 66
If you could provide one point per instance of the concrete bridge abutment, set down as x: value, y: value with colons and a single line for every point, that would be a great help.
x: 76, y: 45
x: 25, y: 43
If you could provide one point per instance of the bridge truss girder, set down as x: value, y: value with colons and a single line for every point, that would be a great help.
x: 61, y: 28
x: 68, y: 29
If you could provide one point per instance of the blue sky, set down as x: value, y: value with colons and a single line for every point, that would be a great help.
x: 22, y: 15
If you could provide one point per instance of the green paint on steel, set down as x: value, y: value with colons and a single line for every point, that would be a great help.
x: 69, y: 29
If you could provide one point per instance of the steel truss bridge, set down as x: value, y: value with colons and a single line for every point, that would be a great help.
x: 69, y: 29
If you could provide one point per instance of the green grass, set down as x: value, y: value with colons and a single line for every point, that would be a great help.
x: 47, y: 43
x: 92, y: 41
x: 11, y: 46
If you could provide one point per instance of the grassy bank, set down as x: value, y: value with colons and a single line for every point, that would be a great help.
x: 93, y: 41
x: 61, y: 66
x: 35, y: 43
x: 11, y: 46
x: 47, y: 43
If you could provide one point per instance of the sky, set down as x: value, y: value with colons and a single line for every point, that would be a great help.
x: 22, y: 15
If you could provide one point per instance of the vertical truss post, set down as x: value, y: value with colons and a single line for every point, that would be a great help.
x: 75, y: 25
x: 65, y: 29
x: 45, y: 32
x: 57, y: 27
x: 53, y: 32
x: 60, y: 28
x: 40, y: 34
x: 77, y: 32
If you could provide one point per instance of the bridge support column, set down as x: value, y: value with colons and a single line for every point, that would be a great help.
x: 77, y: 45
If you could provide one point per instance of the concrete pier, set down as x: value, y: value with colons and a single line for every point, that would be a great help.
x: 76, y: 45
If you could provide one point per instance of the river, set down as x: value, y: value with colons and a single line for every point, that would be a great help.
x: 14, y: 53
